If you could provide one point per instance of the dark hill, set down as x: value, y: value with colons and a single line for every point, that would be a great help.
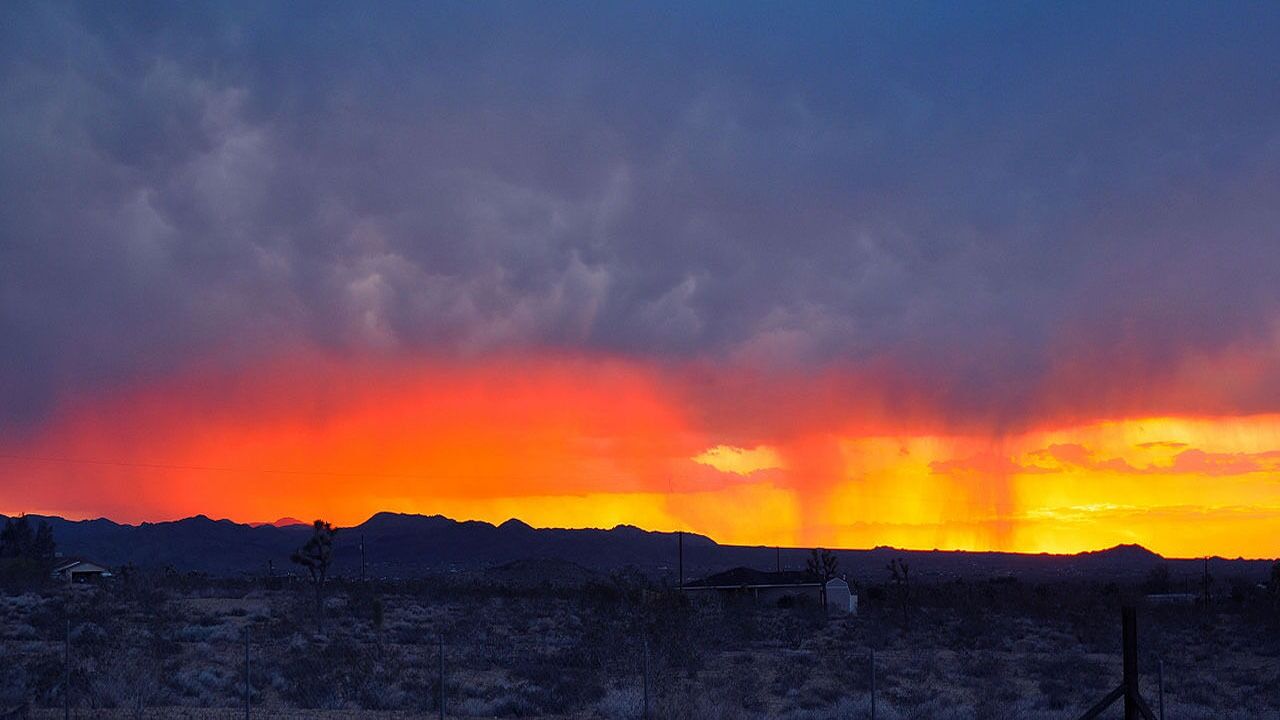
x: 405, y: 545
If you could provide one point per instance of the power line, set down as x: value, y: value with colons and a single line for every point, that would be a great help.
x: 265, y: 471
x: 213, y: 468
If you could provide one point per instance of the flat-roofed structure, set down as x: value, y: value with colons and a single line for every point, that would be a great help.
x: 777, y: 588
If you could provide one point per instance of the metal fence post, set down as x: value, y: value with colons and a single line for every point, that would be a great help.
x: 1129, y: 638
x: 246, y: 672
x: 646, y: 679
x: 873, y: 684
x: 1160, y: 673
x: 66, y: 672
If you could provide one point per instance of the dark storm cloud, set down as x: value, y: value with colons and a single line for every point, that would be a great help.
x: 983, y: 199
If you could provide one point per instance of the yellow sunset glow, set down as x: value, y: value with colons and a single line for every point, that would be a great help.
x: 740, y: 461
x: 623, y: 448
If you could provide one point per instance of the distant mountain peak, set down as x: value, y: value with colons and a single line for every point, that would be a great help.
x: 201, y: 518
x: 1131, y: 551
x: 386, y: 519
x: 515, y: 524
x: 283, y: 522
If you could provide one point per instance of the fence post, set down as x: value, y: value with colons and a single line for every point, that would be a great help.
x: 441, y: 678
x: 1160, y: 673
x: 646, y: 679
x: 1134, y: 706
x: 66, y: 672
x: 246, y: 672
x: 873, y: 684
x: 1129, y: 635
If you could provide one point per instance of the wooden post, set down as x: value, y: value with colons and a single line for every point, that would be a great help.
x: 1129, y: 635
x: 441, y: 677
x: 1134, y: 706
x: 873, y: 684
x: 66, y: 672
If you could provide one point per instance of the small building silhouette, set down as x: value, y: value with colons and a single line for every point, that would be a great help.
x: 841, y: 597
x: 776, y: 588
x: 79, y: 571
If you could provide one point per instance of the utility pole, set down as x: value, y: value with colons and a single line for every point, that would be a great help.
x: 441, y: 677
x: 777, y: 556
x: 1206, y: 582
x: 680, y: 535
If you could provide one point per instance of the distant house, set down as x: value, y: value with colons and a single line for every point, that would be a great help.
x: 79, y: 571
x: 1173, y: 598
x: 776, y: 588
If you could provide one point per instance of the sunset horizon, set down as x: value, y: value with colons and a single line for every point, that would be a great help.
x: 538, y: 442
x: 603, y: 360
x: 997, y: 279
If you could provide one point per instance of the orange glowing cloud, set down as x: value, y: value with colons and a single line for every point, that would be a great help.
x: 345, y: 442
x: 590, y: 441
x: 740, y: 461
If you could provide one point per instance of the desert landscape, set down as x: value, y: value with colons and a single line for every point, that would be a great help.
x: 551, y: 639
x: 687, y: 360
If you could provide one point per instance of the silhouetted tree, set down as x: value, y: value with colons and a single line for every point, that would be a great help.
x: 315, y: 556
x: 25, y: 556
x: 822, y: 564
x: 1158, y: 579
x: 43, y: 548
x: 16, y: 538
x: 900, y: 577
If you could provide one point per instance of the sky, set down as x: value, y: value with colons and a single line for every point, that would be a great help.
x: 983, y: 276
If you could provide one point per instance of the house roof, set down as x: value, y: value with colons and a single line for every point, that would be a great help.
x: 743, y: 577
x: 68, y: 564
x: 749, y: 577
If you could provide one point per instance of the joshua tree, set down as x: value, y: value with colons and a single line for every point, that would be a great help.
x: 315, y: 556
x: 901, y: 579
x: 822, y: 563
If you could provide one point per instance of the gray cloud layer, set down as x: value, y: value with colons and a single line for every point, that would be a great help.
x: 971, y: 196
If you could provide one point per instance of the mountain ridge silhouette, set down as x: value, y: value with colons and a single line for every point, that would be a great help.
x: 406, y: 545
